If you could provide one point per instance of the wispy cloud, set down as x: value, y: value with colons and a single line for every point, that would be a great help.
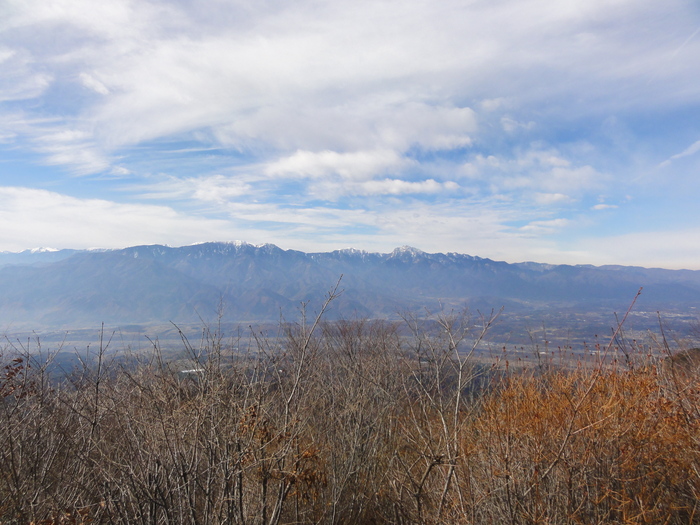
x: 338, y: 121
x: 544, y: 171
x: 91, y: 82
x: 660, y: 248
x: 20, y: 80
x: 327, y: 79
x: 208, y: 189
x: 383, y: 187
x: 44, y: 218
x: 545, y: 227
x: 690, y: 150
x: 546, y: 199
x: 359, y: 165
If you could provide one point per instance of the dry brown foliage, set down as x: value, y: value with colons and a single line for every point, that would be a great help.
x: 349, y: 422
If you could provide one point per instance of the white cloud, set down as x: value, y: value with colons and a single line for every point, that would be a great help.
x: 511, y: 125
x: 604, y: 207
x: 476, y: 228
x: 545, y: 227
x: 402, y: 187
x: 673, y: 249
x: 30, y: 217
x: 117, y: 20
x: 547, y: 199
x: 73, y: 148
x: 582, y: 178
x: 357, y: 173
x: 120, y: 171
x: 91, y: 82
x: 543, y: 171
x: 217, y: 189
x: 6, y: 54
x: 690, y: 150
x: 492, y: 104
x: 20, y: 79
x: 82, y: 160
x: 379, y: 122
x: 360, y: 165
x: 373, y: 75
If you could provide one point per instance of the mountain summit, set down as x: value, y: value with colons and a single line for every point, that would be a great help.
x: 155, y: 284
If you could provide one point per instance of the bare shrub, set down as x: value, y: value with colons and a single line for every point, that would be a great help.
x: 347, y: 422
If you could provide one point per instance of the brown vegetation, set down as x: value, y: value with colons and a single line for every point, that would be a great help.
x: 348, y: 422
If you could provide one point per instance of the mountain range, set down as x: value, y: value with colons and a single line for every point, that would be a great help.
x: 157, y: 284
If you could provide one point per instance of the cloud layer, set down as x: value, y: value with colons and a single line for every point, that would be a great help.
x: 504, y: 129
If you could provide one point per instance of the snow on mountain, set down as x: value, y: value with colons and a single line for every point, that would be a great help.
x: 155, y: 284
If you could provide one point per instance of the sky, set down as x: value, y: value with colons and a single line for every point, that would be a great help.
x: 518, y: 130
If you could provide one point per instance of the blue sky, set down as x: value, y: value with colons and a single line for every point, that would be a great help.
x: 560, y: 132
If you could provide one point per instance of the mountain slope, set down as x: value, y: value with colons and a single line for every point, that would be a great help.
x: 155, y: 284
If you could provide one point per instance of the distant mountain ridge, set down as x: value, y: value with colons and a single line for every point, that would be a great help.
x: 156, y: 284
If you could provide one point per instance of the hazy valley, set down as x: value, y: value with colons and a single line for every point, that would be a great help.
x: 67, y: 295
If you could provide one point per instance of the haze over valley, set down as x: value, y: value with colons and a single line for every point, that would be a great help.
x: 146, y: 290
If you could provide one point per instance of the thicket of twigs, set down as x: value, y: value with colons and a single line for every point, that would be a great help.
x: 348, y: 422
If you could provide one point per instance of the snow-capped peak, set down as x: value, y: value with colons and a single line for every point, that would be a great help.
x: 409, y: 250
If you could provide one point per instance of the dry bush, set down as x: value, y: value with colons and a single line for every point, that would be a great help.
x: 348, y: 422
x: 607, y: 447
